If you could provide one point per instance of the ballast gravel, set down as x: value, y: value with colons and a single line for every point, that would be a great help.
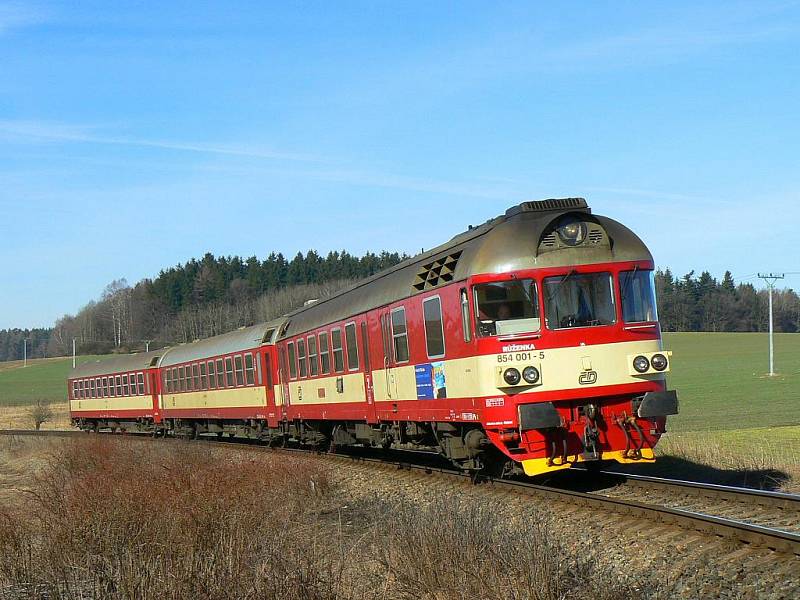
x: 686, y: 564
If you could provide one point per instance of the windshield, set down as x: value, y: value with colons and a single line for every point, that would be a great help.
x: 578, y: 300
x: 638, y: 296
x: 507, y: 307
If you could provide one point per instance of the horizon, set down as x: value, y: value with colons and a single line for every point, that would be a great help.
x: 138, y: 139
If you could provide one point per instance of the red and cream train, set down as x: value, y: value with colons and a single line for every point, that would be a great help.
x: 528, y: 343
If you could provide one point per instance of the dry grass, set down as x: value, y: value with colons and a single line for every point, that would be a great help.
x: 19, y: 417
x: 760, y: 458
x: 117, y: 518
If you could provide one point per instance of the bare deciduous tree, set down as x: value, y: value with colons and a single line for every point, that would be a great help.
x: 40, y: 412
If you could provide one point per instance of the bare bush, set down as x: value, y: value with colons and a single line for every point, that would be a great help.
x: 122, y: 518
x: 465, y: 549
x: 39, y: 413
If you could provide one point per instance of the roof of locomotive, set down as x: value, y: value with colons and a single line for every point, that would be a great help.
x: 506, y: 243
x: 117, y: 364
x: 243, y: 338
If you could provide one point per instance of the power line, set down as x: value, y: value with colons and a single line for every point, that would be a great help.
x: 770, y: 279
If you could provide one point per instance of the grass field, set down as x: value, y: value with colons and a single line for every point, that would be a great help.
x: 722, y: 381
x: 43, y: 378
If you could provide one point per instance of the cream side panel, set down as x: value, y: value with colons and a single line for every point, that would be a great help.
x: 302, y: 392
x: 560, y: 370
x: 278, y: 394
x: 229, y: 398
x: 118, y: 403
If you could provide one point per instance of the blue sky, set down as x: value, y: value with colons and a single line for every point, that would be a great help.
x: 134, y: 136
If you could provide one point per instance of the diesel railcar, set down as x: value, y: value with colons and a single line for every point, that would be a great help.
x: 529, y: 343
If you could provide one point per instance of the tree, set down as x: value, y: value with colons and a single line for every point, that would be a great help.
x: 39, y: 413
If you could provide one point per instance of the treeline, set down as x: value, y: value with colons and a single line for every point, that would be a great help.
x: 692, y: 303
x: 196, y: 300
x: 218, y: 294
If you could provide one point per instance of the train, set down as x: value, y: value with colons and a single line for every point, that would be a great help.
x: 528, y: 344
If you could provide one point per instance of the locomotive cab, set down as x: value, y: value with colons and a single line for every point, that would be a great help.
x: 568, y: 336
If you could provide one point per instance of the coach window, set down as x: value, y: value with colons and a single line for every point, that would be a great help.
x: 175, y: 385
x: 220, y: 374
x: 203, y: 377
x: 140, y: 378
x: 434, y: 328
x: 400, y: 335
x: 249, y: 369
x: 212, y: 376
x: 292, y: 363
x: 196, y: 376
x: 229, y: 371
x: 313, y: 368
x: 168, y: 381
x: 324, y: 355
x: 92, y: 388
x: 301, y: 357
x: 352, y: 346
x: 465, y: 315
x: 181, y: 379
x: 189, y: 386
x: 338, y: 353
x: 126, y: 390
x: 119, y: 385
x: 258, y: 368
x: 237, y: 361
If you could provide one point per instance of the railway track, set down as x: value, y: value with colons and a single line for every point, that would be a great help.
x: 690, y: 506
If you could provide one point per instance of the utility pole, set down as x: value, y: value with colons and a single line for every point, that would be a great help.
x: 73, y: 353
x: 770, y: 280
x: 25, y: 353
x: 147, y: 346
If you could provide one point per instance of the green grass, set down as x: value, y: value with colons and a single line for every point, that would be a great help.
x: 42, y: 378
x: 722, y: 381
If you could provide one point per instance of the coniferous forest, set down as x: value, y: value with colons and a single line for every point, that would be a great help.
x: 217, y: 294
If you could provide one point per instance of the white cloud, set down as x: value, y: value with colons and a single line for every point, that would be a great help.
x: 42, y: 131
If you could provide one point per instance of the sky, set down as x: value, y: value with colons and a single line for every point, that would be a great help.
x: 137, y: 135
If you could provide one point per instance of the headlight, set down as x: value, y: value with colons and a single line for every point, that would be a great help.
x: 530, y: 374
x: 659, y: 362
x: 571, y: 231
x: 511, y: 376
x: 641, y: 364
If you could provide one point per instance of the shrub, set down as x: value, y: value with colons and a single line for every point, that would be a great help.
x: 40, y: 412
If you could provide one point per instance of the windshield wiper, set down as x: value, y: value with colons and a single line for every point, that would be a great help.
x: 559, y: 284
x: 628, y: 283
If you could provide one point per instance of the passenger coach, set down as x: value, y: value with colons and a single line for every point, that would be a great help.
x: 530, y: 341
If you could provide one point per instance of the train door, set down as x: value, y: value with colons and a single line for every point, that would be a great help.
x: 267, y: 366
x: 283, y: 371
x: 389, y: 375
x: 368, y: 382
x: 152, y: 380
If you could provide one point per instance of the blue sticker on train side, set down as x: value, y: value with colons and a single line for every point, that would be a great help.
x: 424, y: 376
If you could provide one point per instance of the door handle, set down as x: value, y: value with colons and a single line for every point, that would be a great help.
x: 386, y: 376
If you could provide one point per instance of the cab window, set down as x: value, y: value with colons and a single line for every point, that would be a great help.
x: 507, y: 307
x: 579, y: 300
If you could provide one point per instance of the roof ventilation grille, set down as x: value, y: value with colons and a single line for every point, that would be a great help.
x: 549, y: 241
x: 440, y: 271
x: 548, y: 205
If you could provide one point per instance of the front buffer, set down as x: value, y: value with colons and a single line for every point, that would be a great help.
x: 556, y: 435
